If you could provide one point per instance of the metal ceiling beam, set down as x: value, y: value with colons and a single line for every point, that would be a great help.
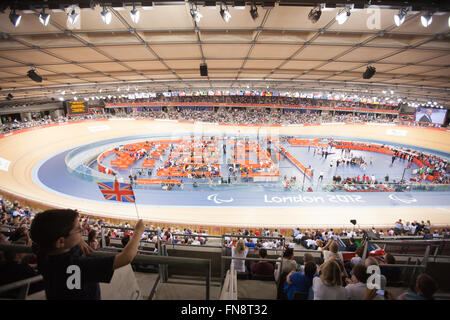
x: 359, y: 4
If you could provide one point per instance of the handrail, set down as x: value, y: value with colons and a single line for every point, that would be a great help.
x: 249, y: 259
x: 412, y: 242
x: 21, y: 283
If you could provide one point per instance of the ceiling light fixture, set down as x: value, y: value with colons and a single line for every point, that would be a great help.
x: 15, y: 18
x: 254, y: 12
x: 343, y: 16
x: 370, y: 71
x: 72, y: 15
x: 195, y: 13
x: 135, y: 14
x: 426, y: 19
x: 44, y: 18
x: 225, y: 13
x: 399, y: 18
x: 314, y: 14
x: 106, y: 15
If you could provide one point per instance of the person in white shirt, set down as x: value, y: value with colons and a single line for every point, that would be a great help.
x: 240, y: 251
x: 275, y: 234
x: 196, y: 242
x: 329, y: 285
x: 333, y: 252
x: 357, y: 259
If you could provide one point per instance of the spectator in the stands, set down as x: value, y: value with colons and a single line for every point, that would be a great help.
x: 333, y: 252
x: 299, y: 281
x: 92, y: 239
x: 358, y: 256
x: 425, y: 289
x: 356, y: 286
x: 398, y: 228
x: 288, y: 263
x: 20, y: 236
x: 407, y: 229
x: 57, y: 234
x: 392, y: 274
x: 125, y: 240
x: 275, y: 233
x: 328, y: 286
x: 239, y: 251
x: 352, y: 246
x: 262, y: 268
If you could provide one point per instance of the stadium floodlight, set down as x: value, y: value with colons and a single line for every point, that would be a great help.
x: 399, y: 18
x: 254, y: 12
x: 106, y: 15
x: 135, y: 14
x: 44, y: 18
x: 314, y: 14
x: 15, y: 18
x: 195, y: 13
x: 225, y: 13
x: 426, y: 19
x: 343, y: 16
x: 72, y: 15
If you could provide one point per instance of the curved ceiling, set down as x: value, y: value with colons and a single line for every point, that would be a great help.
x: 280, y: 49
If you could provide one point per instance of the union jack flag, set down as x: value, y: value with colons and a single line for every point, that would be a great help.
x: 117, y: 191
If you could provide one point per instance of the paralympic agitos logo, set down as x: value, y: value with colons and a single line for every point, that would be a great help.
x: 213, y: 197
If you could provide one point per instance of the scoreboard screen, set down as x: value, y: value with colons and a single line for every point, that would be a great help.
x: 77, y: 108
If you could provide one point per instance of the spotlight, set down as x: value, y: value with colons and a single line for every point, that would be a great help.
x: 314, y: 14
x: 15, y: 18
x: 203, y: 70
x: 106, y: 16
x: 72, y: 15
x: 400, y: 17
x: 34, y: 76
x: 135, y: 14
x: 254, y: 12
x: 426, y: 20
x: 44, y: 18
x: 226, y: 16
x: 343, y: 16
x: 195, y: 13
x: 370, y: 71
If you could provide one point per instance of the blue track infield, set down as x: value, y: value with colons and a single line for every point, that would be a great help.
x: 51, y: 174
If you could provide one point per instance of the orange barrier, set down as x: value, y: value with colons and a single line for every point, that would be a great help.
x: 297, y: 163
x: 148, y: 163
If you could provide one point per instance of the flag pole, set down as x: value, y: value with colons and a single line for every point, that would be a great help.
x: 135, y: 205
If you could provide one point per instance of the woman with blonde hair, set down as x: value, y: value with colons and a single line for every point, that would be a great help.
x: 239, y: 251
x: 333, y: 251
x: 328, y: 286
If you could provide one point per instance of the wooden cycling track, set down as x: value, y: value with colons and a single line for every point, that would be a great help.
x: 28, y: 149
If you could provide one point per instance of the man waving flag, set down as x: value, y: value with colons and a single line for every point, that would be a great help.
x: 117, y: 191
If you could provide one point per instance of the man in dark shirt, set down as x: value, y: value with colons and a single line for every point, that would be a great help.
x: 68, y: 273
x: 352, y: 246
x: 262, y: 268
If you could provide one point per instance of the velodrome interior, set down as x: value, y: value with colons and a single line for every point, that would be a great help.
x: 26, y: 150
